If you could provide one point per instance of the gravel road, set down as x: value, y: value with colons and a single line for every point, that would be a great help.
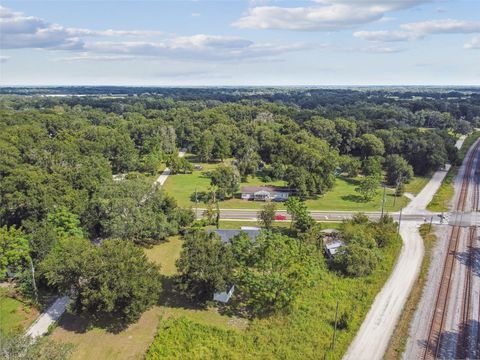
x: 374, y: 335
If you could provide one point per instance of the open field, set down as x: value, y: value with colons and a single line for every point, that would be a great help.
x: 15, y: 316
x: 342, y: 197
x: 399, y: 339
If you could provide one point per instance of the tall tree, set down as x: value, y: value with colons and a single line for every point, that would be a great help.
x: 114, y: 278
x: 205, y: 265
x: 267, y: 215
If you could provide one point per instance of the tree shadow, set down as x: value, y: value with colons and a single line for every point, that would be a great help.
x: 171, y: 297
x: 81, y: 323
x: 472, y: 260
x: 349, y: 180
x: 455, y: 345
x: 354, y: 198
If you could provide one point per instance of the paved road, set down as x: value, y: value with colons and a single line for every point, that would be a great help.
x: 374, y: 335
x: 251, y: 215
x: 49, y: 317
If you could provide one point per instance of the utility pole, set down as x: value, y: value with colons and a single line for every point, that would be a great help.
x: 335, y: 328
x: 383, y: 199
x: 399, y: 181
x: 217, y: 221
x: 399, y: 223
x: 196, y: 204
x: 33, y: 281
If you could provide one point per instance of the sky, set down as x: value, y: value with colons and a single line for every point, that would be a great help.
x: 240, y: 42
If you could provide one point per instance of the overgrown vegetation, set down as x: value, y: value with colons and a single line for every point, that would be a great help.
x: 304, y: 331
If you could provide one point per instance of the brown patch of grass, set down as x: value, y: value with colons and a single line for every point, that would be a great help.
x: 399, y: 339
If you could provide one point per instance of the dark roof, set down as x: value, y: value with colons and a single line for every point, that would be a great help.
x: 254, y: 189
x: 227, y: 235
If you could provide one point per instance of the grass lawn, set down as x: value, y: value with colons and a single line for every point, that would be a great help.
x: 416, y: 184
x: 15, y: 316
x: 342, y: 197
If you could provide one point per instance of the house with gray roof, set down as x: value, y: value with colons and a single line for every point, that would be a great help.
x: 226, y: 236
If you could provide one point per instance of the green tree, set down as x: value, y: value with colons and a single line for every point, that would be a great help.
x: 65, y: 223
x: 267, y: 215
x: 205, y: 146
x: 398, y: 170
x: 355, y: 260
x: 301, y: 219
x: 368, y: 187
x: 14, y: 251
x: 275, y: 272
x: 370, y: 145
x: 133, y: 210
x: 226, y: 179
x: 205, y: 265
x: 114, y: 278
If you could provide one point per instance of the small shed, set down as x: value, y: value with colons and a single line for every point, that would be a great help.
x: 332, y: 248
x: 332, y: 242
x: 224, y: 296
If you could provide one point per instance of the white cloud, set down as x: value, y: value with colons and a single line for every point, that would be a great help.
x: 4, y: 59
x: 326, y: 15
x: 474, y: 43
x: 21, y: 31
x: 419, y: 30
x: 197, y: 47
x: 385, y: 35
x: 443, y: 26
x: 195, y: 14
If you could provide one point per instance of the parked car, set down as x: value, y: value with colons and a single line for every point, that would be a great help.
x: 280, y: 217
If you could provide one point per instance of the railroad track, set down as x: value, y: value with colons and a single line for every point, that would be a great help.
x: 434, y: 340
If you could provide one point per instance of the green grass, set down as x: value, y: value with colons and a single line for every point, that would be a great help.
x: 442, y: 198
x: 305, y: 333
x: 15, y: 316
x: 342, y: 197
x: 397, y: 344
x: 166, y: 254
x: 416, y: 184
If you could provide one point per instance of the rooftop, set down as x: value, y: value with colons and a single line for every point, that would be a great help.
x: 227, y: 235
x: 254, y: 189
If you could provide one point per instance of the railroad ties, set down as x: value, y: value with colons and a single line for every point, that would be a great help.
x: 465, y: 346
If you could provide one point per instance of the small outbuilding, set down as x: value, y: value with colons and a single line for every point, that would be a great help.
x: 332, y: 242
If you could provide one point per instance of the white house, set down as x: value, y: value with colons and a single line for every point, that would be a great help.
x: 264, y: 193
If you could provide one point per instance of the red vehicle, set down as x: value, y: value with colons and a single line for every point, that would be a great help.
x: 280, y: 217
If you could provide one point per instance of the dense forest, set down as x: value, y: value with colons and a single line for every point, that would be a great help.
x: 60, y: 155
